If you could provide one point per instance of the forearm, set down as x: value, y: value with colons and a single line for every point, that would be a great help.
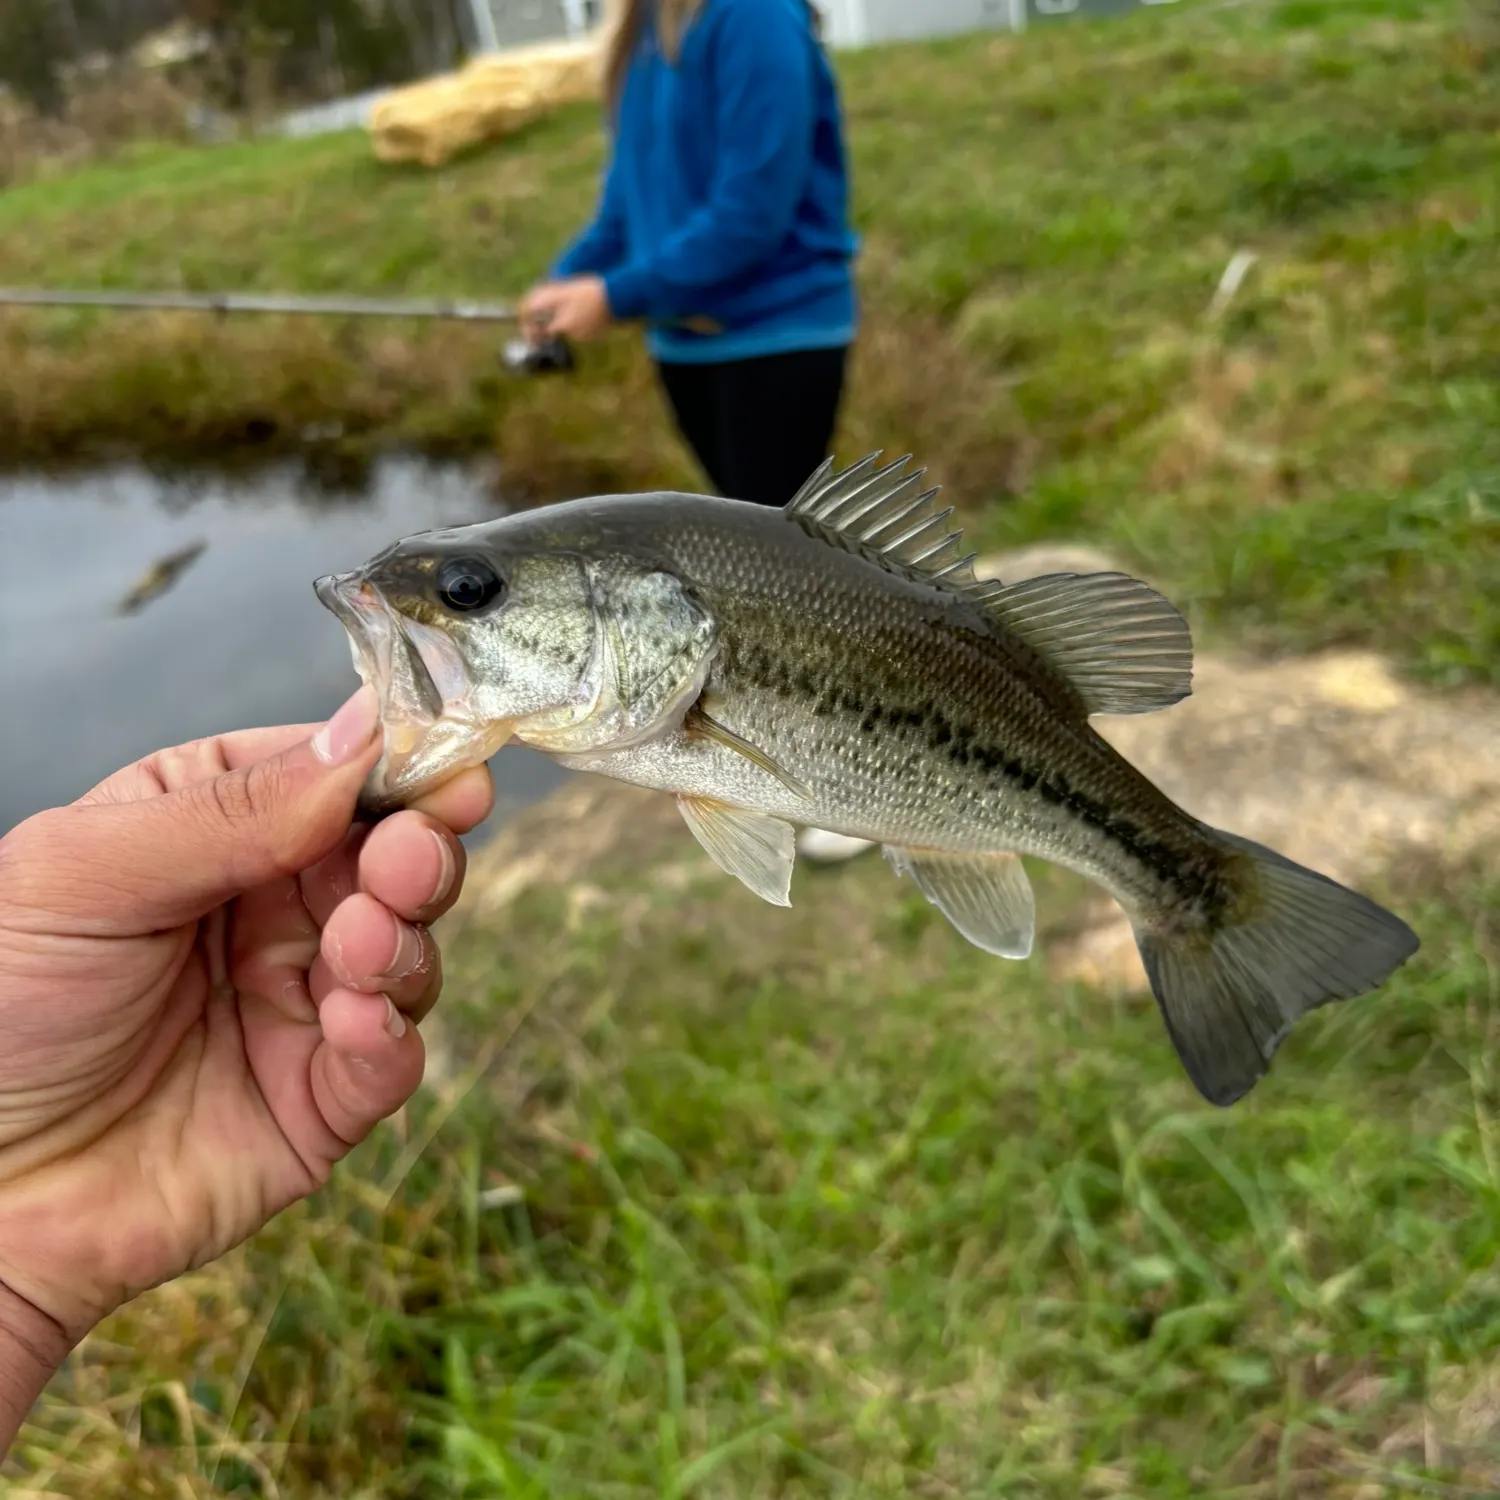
x: 743, y: 226
x: 601, y: 246
x: 592, y: 254
x: 639, y: 289
x: 32, y: 1348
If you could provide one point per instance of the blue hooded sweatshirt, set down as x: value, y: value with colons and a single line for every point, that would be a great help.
x: 726, y: 196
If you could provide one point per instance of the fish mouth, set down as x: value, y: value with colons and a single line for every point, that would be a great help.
x: 411, y: 706
x: 384, y: 656
x: 430, y: 723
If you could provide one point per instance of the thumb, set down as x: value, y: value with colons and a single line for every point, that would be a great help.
x: 136, y: 867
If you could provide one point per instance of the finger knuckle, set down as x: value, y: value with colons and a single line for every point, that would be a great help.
x: 288, y: 841
x: 249, y: 807
x: 186, y: 765
x: 234, y: 799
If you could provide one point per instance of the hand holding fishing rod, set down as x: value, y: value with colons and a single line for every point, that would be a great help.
x: 570, y: 307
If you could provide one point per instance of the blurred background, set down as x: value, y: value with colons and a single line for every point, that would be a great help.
x: 705, y: 1197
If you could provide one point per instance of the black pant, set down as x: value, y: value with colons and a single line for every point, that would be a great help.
x: 760, y: 426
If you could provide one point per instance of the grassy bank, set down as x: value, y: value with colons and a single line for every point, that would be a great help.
x: 727, y: 1201
x: 1046, y: 220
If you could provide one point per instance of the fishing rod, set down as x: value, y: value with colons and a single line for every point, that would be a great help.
x: 551, y: 354
x: 271, y: 302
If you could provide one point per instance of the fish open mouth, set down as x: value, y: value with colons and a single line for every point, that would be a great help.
x: 384, y: 656
x: 411, y: 705
x: 429, y: 723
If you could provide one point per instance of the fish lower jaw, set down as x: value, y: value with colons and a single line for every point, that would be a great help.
x: 419, y: 757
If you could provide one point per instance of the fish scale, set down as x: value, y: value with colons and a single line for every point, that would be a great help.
x: 964, y: 765
x: 838, y: 664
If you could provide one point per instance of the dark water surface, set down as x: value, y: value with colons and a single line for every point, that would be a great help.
x: 238, y: 640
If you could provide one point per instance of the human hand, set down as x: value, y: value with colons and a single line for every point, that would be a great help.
x: 208, y: 980
x: 577, y: 307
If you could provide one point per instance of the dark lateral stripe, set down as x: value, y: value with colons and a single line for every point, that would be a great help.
x: 964, y: 748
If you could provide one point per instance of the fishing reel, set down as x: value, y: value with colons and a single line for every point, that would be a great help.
x: 553, y: 356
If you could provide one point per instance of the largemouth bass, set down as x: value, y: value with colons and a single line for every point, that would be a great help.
x: 838, y: 664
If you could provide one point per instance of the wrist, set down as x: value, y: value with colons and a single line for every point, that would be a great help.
x: 628, y: 292
x: 32, y: 1349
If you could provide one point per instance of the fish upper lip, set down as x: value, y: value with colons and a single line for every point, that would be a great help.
x: 327, y: 588
x: 354, y: 603
x: 356, y: 606
x: 379, y: 639
x: 338, y: 591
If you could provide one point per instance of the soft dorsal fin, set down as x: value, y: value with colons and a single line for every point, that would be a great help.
x: 1121, y: 647
x: 885, y: 516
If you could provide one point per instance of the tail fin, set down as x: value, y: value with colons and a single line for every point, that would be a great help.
x: 1230, y: 996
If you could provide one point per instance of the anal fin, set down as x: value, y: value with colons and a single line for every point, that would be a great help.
x: 755, y: 848
x: 987, y: 897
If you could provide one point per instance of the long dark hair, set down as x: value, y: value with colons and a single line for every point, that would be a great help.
x: 673, y: 17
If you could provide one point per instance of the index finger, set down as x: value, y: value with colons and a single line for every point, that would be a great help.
x: 196, y: 761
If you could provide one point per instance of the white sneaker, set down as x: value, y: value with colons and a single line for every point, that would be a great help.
x: 825, y: 848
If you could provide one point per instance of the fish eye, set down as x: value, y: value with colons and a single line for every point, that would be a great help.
x: 468, y: 583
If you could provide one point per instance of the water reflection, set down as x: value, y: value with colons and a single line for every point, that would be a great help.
x: 237, y: 640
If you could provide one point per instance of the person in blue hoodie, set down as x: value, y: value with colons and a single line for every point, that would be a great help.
x: 723, y: 226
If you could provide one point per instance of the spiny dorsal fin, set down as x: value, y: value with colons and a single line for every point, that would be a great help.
x: 1121, y: 646
x: 885, y: 516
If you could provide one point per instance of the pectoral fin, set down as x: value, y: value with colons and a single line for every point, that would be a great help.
x: 986, y: 896
x: 702, y: 723
x: 754, y: 848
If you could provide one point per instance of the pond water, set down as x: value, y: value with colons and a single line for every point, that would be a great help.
x: 237, y: 640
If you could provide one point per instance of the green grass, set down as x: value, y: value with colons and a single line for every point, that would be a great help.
x: 824, y: 1203
x: 865, y: 1216
x: 1045, y: 221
